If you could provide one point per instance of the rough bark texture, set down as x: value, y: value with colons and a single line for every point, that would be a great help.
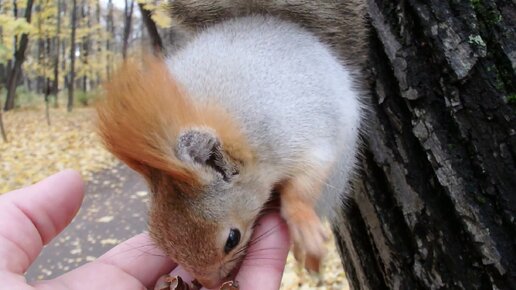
x: 436, y: 202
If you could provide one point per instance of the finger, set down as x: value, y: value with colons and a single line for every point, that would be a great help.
x: 134, y: 264
x: 264, y: 264
x: 32, y: 216
x: 140, y: 258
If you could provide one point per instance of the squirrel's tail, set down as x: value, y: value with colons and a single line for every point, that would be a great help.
x: 339, y: 23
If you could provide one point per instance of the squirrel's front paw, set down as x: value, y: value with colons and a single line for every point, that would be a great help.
x: 309, y: 236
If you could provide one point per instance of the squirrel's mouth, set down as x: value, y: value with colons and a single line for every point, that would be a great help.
x: 209, y: 283
x: 229, y: 269
x: 218, y: 278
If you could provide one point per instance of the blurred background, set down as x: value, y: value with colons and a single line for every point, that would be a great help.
x: 54, y: 57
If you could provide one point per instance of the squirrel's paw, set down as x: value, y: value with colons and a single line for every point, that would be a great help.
x: 309, y: 237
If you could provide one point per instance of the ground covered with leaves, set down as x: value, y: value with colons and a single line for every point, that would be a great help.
x: 36, y: 150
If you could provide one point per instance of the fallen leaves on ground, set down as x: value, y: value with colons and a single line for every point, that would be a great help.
x: 36, y: 150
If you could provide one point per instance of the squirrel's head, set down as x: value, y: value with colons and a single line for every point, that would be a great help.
x: 205, y: 227
x: 197, y: 163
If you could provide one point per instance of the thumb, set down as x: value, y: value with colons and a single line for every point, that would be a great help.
x: 32, y: 216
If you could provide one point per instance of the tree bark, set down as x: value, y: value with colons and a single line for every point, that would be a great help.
x: 435, y: 206
x: 19, y: 58
x: 71, y: 79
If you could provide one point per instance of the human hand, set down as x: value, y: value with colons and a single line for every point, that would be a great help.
x: 32, y: 216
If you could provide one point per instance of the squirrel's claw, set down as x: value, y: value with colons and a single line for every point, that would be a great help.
x: 309, y: 237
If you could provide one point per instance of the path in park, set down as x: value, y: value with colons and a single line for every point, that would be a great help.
x: 114, y: 209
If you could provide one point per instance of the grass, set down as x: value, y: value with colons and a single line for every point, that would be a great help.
x: 30, y: 100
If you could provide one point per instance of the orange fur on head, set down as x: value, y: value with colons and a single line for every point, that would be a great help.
x: 145, y: 110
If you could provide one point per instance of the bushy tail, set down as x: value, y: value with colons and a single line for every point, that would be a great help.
x: 341, y: 24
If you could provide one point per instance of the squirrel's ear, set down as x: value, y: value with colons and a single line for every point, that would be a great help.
x: 196, y: 145
x: 203, y: 147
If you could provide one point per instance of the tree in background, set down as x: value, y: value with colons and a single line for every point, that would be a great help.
x: 71, y: 76
x: 47, y: 63
x: 2, y: 128
x: 152, y: 28
x: 128, y: 18
x: 19, y: 58
x: 110, y: 26
x: 56, y: 46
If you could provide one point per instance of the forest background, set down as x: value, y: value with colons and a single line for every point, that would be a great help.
x: 54, y: 57
x: 51, y: 46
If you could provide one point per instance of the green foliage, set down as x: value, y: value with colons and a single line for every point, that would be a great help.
x: 87, y: 98
x: 5, y: 53
x: 47, y: 56
x: 492, y: 16
x: 476, y: 3
x: 26, y: 99
x: 11, y: 27
x: 511, y: 99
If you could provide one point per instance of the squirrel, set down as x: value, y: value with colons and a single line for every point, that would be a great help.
x: 260, y: 97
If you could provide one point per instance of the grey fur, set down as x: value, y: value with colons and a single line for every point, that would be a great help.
x: 293, y: 100
x: 341, y: 24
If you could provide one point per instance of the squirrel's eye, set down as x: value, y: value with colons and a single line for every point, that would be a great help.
x: 233, y: 240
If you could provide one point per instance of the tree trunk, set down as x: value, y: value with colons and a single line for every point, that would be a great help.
x: 111, y: 29
x: 19, y: 58
x: 2, y: 128
x: 40, y: 79
x: 152, y: 29
x: 57, y: 46
x: 48, y: 83
x: 85, y: 12
x: 71, y: 79
x: 128, y: 16
x: 99, y: 43
x: 436, y: 204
